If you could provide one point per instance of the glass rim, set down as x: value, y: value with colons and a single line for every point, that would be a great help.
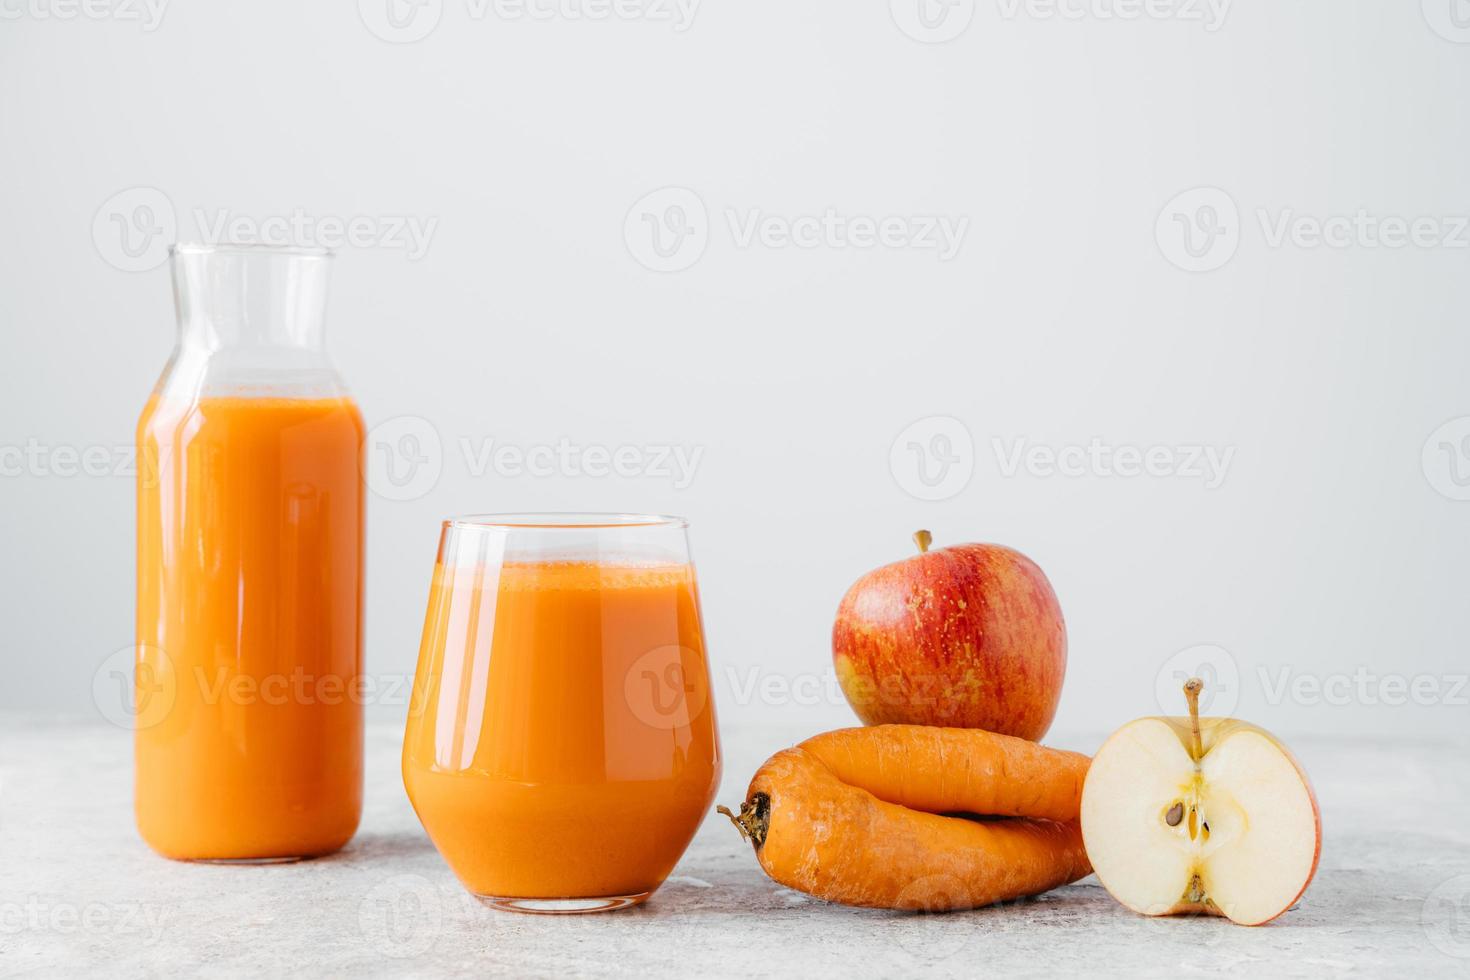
x: 566, y: 521
x: 249, y: 248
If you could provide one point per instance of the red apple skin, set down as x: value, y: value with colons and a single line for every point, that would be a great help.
x: 969, y: 636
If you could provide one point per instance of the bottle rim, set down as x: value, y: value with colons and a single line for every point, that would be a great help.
x: 249, y: 248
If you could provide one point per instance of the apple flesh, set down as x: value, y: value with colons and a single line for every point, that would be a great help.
x: 969, y: 636
x: 1200, y: 815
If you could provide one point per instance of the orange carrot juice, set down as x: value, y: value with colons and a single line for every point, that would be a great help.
x: 562, y: 739
x: 249, y: 720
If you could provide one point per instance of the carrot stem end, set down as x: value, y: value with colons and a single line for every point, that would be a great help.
x: 754, y: 819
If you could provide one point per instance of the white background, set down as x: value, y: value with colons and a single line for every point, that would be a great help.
x: 1332, y: 550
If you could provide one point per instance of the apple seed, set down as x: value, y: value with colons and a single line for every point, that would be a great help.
x: 1175, y: 814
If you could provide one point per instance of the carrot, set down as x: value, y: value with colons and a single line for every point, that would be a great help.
x: 884, y: 817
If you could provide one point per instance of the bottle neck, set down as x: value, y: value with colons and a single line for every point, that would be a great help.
x: 251, y: 323
x: 259, y: 298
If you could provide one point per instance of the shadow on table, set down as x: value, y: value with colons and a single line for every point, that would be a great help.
x: 376, y: 847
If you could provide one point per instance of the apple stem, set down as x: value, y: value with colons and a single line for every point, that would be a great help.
x: 923, y: 539
x: 1192, y: 687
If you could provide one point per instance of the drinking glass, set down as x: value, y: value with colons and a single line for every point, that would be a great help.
x: 561, y: 747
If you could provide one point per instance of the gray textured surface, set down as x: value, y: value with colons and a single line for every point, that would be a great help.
x: 80, y: 892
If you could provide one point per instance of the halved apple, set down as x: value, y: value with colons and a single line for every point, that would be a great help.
x: 1210, y: 815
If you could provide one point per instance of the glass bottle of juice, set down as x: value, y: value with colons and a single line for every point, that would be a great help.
x: 248, y: 741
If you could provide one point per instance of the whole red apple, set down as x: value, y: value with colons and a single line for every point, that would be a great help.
x: 969, y: 636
